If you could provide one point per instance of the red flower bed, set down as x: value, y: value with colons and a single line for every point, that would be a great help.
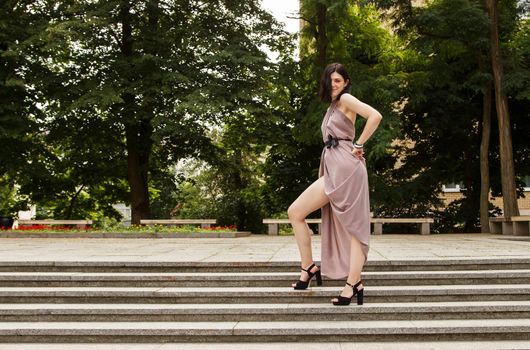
x: 221, y: 228
x: 45, y: 228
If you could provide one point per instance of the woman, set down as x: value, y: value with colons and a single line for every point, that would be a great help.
x: 341, y: 191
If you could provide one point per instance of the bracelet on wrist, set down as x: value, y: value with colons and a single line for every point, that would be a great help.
x: 357, y: 145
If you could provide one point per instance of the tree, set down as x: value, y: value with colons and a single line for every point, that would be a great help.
x: 442, y: 108
x: 333, y: 31
x: 509, y: 193
x: 147, y: 78
x: 435, y: 33
x: 484, y: 155
x: 17, y: 113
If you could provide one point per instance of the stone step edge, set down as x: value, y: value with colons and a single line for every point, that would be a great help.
x: 507, y: 289
x: 246, y: 264
x: 418, y: 307
x: 271, y: 275
x: 299, y: 345
x: 265, y: 328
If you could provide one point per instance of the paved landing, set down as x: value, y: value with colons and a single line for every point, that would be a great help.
x: 255, y: 248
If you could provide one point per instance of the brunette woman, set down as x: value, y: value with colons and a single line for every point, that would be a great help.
x: 341, y: 192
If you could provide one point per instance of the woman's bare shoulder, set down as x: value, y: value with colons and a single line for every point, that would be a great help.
x: 353, y: 105
x: 349, y: 104
x: 348, y: 98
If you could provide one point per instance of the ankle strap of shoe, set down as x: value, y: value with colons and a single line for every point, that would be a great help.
x: 308, y: 270
x: 355, y: 286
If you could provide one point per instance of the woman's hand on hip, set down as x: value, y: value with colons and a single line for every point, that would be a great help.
x: 358, y: 152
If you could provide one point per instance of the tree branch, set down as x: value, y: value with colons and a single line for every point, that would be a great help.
x: 305, y: 19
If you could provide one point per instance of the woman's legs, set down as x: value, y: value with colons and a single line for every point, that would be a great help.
x: 357, y: 260
x: 313, y: 198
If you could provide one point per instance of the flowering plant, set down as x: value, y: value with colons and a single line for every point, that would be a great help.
x: 221, y: 228
x: 122, y: 228
x: 54, y: 228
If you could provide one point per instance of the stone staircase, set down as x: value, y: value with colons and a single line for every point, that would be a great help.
x: 155, y: 302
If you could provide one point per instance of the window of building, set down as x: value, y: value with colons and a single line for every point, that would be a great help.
x: 452, y: 187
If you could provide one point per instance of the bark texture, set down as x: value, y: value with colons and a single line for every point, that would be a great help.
x: 509, y: 193
x: 484, y: 160
x: 138, y: 131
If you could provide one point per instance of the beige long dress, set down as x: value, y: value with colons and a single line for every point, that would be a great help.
x: 346, y: 185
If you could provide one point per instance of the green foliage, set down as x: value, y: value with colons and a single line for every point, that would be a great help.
x: 228, y: 194
x: 10, y: 201
x: 517, y: 85
x: 126, y: 89
x: 101, y: 102
x: 445, y: 72
x: 17, y: 112
x: 355, y: 36
x: 518, y: 78
x: 441, y: 110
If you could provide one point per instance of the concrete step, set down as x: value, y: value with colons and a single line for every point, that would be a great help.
x: 335, y: 345
x: 262, y: 312
x: 157, y: 302
x: 159, y: 332
x: 238, y: 295
x: 257, y: 266
x: 252, y: 279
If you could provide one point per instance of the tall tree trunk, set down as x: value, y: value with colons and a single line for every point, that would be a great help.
x: 471, y: 202
x: 138, y: 151
x: 501, y: 102
x: 137, y: 132
x: 239, y: 185
x: 322, y: 39
x: 484, y: 160
x: 73, y: 201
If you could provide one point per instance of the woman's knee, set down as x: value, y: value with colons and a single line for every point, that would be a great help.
x: 295, y: 213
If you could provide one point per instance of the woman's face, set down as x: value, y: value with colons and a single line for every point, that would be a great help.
x: 337, y: 84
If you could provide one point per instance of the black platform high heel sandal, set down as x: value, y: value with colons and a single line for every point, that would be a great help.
x: 346, y: 301
x: 304, y: 284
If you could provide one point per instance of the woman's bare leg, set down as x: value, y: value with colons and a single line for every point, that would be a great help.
x: 357, y: 260
x: 313, y: 198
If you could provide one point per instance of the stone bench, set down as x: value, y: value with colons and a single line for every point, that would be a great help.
x: 205, y: 223
x: 274, y: 223
x: 425, y: 224
x: 378, y: 224
x: 515, y: 225
x: 78, y: 223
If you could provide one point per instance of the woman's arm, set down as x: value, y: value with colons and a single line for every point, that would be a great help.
x: 372, y: 116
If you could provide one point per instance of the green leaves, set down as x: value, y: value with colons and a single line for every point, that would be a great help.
x: 94, y: 93
x: 120, y: 89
